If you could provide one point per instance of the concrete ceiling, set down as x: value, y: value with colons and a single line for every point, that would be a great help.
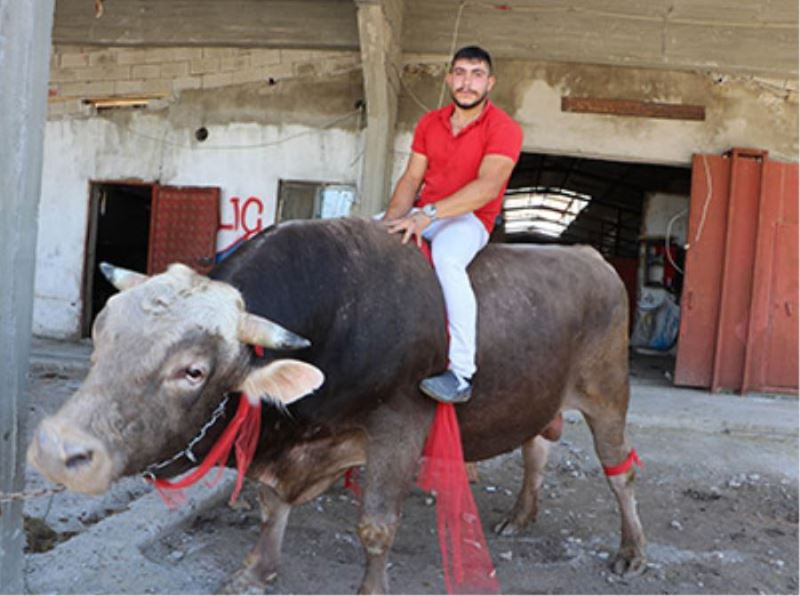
x: 749, y: 37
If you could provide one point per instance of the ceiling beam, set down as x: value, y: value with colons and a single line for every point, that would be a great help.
x: 291, y: 24
x: 687, y: 35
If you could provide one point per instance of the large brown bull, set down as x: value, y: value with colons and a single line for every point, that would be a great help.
x: 552, y: 336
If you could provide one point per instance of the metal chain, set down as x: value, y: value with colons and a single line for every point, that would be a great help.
x: 25, y: 495
x: 187, y: 451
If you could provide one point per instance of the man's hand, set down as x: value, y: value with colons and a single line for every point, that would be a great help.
x: 410, y: 225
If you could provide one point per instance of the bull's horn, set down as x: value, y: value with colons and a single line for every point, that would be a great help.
x: 122, y: 279
x: 258, y: 331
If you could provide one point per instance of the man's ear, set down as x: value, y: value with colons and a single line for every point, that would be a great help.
x: 282, y: 381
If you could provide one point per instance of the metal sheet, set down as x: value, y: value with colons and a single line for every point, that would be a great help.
x: 703, y: 270
x: 183, y: 227
x: 739, y: 310
x: 782, y: 351
x: 737, y: 269
x: 772, y: 363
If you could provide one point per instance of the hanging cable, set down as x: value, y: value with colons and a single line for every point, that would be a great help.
x: 668, y: 237
x: 461, y: 6
x: 709, y: 185
x: 408, y: 90
x: 234, y: 147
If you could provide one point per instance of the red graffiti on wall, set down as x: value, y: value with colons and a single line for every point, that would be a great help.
x: 248, y: 219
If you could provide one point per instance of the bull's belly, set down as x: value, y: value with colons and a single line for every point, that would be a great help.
x: 496, y: 422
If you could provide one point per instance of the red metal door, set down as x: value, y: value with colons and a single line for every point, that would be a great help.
x: 739, y: 307
x: 183, y: 227
x: 708, y: 208
x: 772, y: 348
x: 737, y: 268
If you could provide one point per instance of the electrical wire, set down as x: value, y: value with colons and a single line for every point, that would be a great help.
x: 668, y: 237
x: 408, y: 90
x: 461, y: 6
x: 709, y: 185
x: 297, y: 135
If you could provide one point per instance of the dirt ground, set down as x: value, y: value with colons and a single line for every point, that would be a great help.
x: 718, y: 520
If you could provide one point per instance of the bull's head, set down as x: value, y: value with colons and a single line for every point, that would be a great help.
x: 166, y: 348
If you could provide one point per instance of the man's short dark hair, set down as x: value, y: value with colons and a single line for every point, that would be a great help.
x: 472, y: 53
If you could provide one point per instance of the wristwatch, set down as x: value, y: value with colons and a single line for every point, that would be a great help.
x: 430, y: 211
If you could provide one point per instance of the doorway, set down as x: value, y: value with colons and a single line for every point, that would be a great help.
x: 633, y: 214
x: 118, y: 233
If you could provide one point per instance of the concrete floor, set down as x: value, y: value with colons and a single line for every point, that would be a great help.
x: 693, y: 433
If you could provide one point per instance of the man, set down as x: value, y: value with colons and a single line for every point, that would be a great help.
x: 461, y: 158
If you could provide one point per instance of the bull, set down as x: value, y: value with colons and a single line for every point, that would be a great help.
x: 367, y: 323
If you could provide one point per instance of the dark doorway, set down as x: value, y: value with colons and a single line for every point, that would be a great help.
x: 118, y: 233
x: 623, y: 210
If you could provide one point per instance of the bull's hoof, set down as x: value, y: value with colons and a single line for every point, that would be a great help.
x: 629, y: 563
x: 509, y: 527
x: 247, y: 581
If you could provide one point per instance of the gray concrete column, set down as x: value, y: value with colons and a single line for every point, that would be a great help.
x: 379, y: 27
x: 25, y: 32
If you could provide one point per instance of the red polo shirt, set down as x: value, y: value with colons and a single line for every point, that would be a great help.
x: 454, y: 161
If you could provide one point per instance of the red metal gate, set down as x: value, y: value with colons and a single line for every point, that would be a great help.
x: 740, y: 297
x: 183, y: 227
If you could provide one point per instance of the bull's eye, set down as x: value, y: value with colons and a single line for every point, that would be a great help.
x: 194, y: 374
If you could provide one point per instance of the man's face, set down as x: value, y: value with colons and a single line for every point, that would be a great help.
x: 470, y: 82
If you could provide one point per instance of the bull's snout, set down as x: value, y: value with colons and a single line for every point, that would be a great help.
x: 69, y: 456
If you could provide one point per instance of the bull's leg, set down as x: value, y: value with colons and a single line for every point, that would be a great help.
x: 394, y: 449
x: 261, y: 563
x: 612, y: 449
x: 534, y: 458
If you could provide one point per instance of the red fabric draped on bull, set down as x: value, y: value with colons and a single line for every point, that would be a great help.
x: 468, y: 567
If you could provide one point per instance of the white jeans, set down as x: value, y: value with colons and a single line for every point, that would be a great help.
x: 454, y: 243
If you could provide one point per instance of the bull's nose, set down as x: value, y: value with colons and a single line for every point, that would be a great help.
x: 77, y: 455
x: 67, y: 455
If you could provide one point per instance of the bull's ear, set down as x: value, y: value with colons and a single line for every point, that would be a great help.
x: 283, y: 381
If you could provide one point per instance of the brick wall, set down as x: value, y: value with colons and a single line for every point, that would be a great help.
x: 78, y: 73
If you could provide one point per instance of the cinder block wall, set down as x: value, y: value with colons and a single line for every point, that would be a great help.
x: 78, y: 73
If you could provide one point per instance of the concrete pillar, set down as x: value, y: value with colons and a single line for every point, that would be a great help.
x: 25, y: 30
x: 379, y: 28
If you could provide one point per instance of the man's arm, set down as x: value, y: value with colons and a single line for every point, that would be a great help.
x: 493, y: 173
x: 405, y: 193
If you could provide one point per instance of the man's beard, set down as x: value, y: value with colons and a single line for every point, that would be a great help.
x: 470, y: 105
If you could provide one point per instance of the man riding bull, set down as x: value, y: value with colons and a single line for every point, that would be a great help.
x: 462, y: 156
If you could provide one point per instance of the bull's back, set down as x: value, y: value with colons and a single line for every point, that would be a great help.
x: 543, y: 311
x: 374, y: 314
x: 370, y: 306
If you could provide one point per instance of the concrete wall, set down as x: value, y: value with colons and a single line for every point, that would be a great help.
x: 304, y: 126
x: 743, y: 111
x: 290, y: 114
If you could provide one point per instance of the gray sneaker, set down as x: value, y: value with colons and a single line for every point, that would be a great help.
x: 445, y: 388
